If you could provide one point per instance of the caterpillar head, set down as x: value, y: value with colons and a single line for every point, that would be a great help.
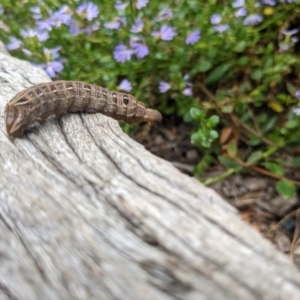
x: 15, y: 120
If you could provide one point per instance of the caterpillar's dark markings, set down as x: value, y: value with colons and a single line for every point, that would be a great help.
x: 45, y: 89
x: 69, y: 86
x: 125, y: 100
x: 71, y: 96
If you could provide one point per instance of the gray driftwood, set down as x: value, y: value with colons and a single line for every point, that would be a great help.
x: 87, y: 213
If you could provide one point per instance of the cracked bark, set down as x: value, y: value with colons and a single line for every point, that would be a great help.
x: 87, y: 213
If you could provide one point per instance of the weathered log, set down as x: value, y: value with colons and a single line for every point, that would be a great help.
x: 87, y: 213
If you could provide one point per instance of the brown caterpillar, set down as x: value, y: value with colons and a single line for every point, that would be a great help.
x: 59, y: 97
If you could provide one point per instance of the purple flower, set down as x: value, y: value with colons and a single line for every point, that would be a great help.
x: 88, y: 10
x: 122, y: 53
x: 1, y: 9
x: 112, y: 25
x: 164, y: 86
x: 193, y: 37
x: 51, y: 53
x: 297, y: 111
x: 297, y: 94
x: 42, y: 36
x: 290, y: 32
x: 164, y: 14
x: 137, y: 26
x: 61, y: 16
x: 186, y: 77
x: 166, y: 33
x: 125, y: 85
x: 141, y: 3
x: 36, y: 12
x: 123, y: 20
x: 116, y: 23
x: 294, y: 39
x: 187, y: 91
x: 13, y: 44
x: 238, y: 3
x: 215, y: 19
x: 120, y: 6
x: 89, y: 29
x: 269, y: 2
x: 284, y: 47
x: 253, y: 20
x: 54, y: 68
x: 44, y: 25
x: 241, y: 12
x: 139, y: 49
x: 74, y: 28
x: 221, y: 28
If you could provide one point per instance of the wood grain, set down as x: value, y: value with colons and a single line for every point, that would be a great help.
x: 38, y: 102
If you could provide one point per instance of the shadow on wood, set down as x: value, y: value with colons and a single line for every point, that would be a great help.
x: 87, y: 213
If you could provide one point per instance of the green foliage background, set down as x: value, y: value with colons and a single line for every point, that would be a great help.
x: 246, y: 75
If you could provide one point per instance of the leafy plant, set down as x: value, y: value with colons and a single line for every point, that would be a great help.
x: 232, y: 69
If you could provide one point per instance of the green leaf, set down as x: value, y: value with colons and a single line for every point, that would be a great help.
x: 196, y: 113
x: 254, y: 158
x: 195, y: 138
x: 269, y: 124
x: 213, y: 134
x: 174, y: 68
x: 274, y: 168
x: 296, y: 162
x: 206, y: 144
x: 256, y: 74
x: 262, y: 118
x: 203, y: 65
x: 291, y: 124
x: 232, y: 148
x: 268, y: 62
x: 243, y: 61
x: 282, y: 97
x: 240, y: 46
x: 285, y: 188
x: 227, y: 162
x: 291, y: 88
x: 255, y: 140
x: 213, y: 120
x: 217, y: 73
x: 227, y: 109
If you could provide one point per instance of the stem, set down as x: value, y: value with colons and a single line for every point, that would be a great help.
x: 222, y: 176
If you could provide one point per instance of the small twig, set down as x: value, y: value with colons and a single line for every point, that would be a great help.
x: 296, y: 234
x: 243, y: 125
x: 221, y: 176
x: 262, y: 171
